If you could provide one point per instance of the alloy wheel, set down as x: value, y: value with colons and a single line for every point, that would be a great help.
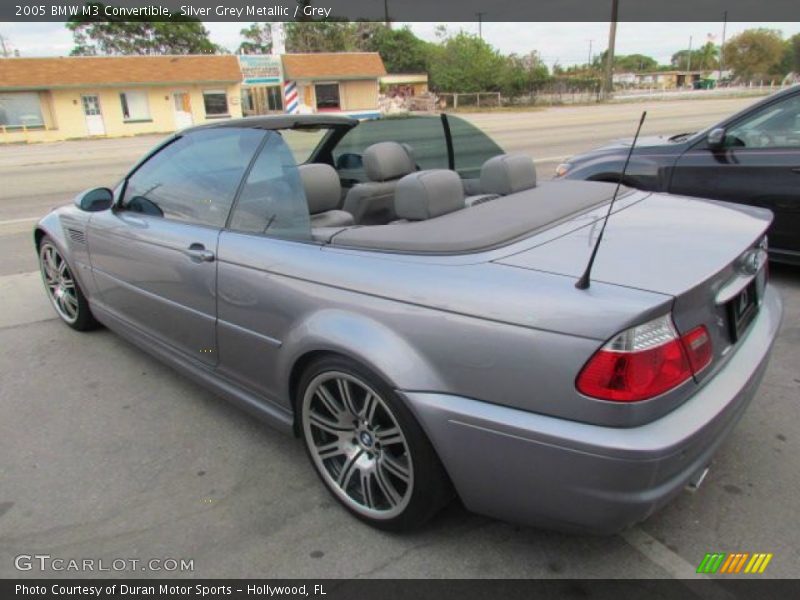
x: 357, y: 445
x: 59, y: 282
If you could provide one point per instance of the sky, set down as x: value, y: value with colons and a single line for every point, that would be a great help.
x: 565, y: 43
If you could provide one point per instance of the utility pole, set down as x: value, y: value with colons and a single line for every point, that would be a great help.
x: 590, y: 53
x: 480, y: 23
x: 722, y: 47
x: 3, y: 47
x: 612, y: 37
x: 689, y: 56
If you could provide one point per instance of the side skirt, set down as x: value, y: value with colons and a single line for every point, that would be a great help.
x: 267, y: 411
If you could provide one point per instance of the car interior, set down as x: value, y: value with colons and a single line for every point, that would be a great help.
x: 401, y: 208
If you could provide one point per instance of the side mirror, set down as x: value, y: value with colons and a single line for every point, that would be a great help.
x: 94, y: 200
x: 349, y: 160
x: 716, y: 137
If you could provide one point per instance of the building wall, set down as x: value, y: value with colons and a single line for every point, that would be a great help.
x: 63, y: 112
x: 359, y: 94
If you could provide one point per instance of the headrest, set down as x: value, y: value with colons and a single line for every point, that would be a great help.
x: 322, y: 186
x: 427, y: 194
x: 386, y: 161
x: 508, y: 173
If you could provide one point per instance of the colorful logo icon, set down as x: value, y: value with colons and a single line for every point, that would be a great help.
x: 734, y: 563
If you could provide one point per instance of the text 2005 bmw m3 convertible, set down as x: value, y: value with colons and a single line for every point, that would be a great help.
x: 401, y: 294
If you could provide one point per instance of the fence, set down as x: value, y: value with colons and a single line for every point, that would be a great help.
x: 454, y: 101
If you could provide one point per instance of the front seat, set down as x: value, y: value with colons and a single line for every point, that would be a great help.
x: 428, y: 194
x: 508, y: 173
x: 372, y: 203
x: 323, y: 194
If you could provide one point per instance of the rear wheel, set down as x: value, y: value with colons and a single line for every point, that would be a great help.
x: 367, y: 447
x: 62, y: 288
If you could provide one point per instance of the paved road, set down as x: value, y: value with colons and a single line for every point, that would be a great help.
x: 106, y: 453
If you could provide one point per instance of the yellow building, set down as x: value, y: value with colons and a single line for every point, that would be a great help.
x: 342, y: 82
x: 47, y: 99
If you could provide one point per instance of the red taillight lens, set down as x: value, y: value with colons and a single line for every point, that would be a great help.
x: 698, y: 348
x: 645, y: 361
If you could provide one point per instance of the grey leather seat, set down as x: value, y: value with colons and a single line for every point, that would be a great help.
x: 507, y: 173
x: 323, y: 194
x: 372, y: 203
x: 428, y: 194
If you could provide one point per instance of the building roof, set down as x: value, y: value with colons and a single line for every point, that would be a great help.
x: 333, y: 65
x: 105, y: 71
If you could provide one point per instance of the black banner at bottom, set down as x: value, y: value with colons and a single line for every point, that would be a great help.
x: 389, y: 589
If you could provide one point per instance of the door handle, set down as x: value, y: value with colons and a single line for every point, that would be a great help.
x: 796, y: 170
x: 198, y: 252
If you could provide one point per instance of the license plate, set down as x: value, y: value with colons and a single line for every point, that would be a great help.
x: 742, y: 310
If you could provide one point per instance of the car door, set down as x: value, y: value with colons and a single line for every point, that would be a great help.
x: 758, y: 164
x: 261, y: 252
x: 154, y: 255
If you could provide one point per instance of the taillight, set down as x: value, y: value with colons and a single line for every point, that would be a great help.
x: 698, y: 348
x: 645, y: 361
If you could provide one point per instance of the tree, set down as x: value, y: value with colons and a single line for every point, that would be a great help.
x: 139, y: 35
x: 330, y: 35
x: 705, y: 58
x: 522, y: 74
x: 257, y: 39
x: 629, y: 62
x: 465, y: 63
x: 400, y: 49
x: 791, y: 55
x: 755, y: 53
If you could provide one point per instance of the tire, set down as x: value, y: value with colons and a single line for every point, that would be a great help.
x: 62, y: 288
x: 367, y: 447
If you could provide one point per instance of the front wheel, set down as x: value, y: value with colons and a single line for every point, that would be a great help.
x: 62, y: 288
x: 367, y: 447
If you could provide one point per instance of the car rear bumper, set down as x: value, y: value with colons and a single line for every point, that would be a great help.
x: 539, y: 470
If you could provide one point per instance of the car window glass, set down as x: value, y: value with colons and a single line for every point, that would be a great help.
x: 303, y: 142
x: 471, y: 147
x: 774, y: 126
x: 424, y: 135
x: 272, y: 200
x: 193, y: 179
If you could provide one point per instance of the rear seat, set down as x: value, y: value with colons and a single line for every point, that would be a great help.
x: 323, y: 194
x: 427, y: 194
x: 500, y: 176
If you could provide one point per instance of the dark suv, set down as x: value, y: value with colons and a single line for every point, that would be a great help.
x: 751, y: 158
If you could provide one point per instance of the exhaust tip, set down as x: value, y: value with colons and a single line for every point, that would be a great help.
x: 697, y: 480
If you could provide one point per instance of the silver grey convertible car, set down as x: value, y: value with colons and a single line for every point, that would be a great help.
x: 401, y: 295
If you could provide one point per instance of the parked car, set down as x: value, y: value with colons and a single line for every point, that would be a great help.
x: 751, y: 158
x: 421, y: 330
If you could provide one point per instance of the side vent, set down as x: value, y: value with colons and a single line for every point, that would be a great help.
x: 76, y: 235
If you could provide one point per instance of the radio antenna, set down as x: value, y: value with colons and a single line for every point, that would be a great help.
x: 583, y: 282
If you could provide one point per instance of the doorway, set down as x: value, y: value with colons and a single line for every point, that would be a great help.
x: 94, y: 117
x: 183, y: 110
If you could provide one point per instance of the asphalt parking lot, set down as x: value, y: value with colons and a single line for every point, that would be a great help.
x: 108, y: 454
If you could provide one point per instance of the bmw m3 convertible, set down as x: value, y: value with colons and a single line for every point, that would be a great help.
x: 401, y: 295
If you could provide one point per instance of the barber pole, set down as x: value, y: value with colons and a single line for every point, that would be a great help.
x: 290, y: 97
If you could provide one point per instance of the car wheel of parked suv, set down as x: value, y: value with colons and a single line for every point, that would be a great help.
x: 367, y: 447
x: 62, y: 288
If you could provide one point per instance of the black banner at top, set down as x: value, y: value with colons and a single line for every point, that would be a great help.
x: 405, y: 10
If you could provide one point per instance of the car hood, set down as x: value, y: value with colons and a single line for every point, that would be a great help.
x: 623, y: 144
x: 663, y: 243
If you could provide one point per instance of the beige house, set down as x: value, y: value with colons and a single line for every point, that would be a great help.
x: 45, y: 99
x: 342, y: 82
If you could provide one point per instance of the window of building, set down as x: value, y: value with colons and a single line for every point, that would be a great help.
x: 21, y: 109
x: 327, y: 96
x: 193, y: 179
x: 135, y: 106
x: 216, y: 103
x: 272, y: 201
